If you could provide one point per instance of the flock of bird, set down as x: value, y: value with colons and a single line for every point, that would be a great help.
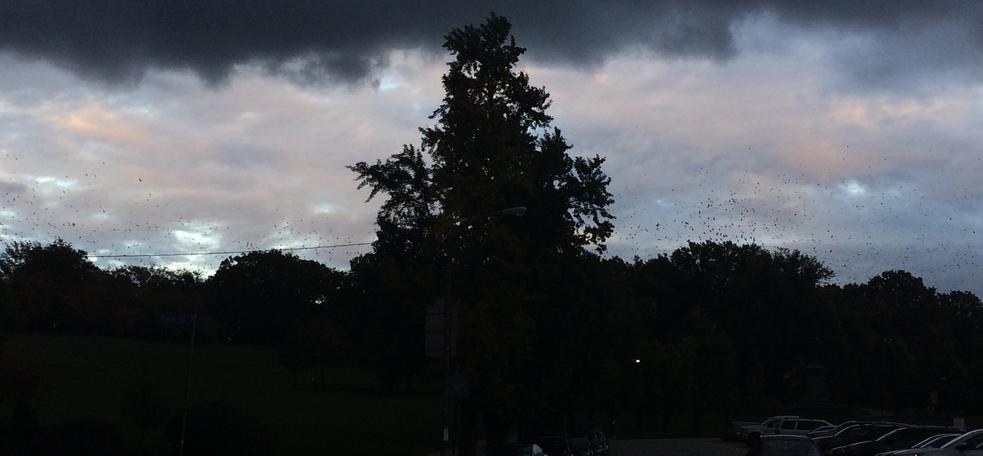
x: 857, y: 228
x: 858, y: 231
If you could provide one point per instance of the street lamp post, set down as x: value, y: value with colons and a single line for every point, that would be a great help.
x: 517, y: 211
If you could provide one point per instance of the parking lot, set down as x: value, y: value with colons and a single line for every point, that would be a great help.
x: 666, y: 447
x: 676, y: 447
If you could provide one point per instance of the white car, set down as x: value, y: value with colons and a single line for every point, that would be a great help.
x: 780, y: 425
x: 968, y: 444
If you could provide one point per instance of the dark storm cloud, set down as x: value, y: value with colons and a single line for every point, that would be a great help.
x: 118, y: 41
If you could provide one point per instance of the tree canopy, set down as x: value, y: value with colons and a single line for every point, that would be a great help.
x: 492, y: 147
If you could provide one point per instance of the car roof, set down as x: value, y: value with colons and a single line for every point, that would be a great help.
x: 904, y: 428
x: 934, y: 438
x: 785, y: 437
x: 962, y: 438
x: 870, y: 424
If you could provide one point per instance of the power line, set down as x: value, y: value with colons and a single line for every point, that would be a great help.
x: 228, y: 252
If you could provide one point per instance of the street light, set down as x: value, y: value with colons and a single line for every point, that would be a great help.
x: 517, y: 211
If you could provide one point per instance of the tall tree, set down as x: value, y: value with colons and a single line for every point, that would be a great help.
x: 492, y: 147
x: 52, y: 286
x: 261, y: 295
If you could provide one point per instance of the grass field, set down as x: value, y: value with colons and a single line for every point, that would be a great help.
x: 88, y: 378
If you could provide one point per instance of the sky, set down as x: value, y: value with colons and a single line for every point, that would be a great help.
x: 852, y: 131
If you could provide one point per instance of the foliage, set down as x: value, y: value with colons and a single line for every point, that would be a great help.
x: 49, y: 286
x: 716, y: 327
x: 492, y: 147
x: 259, y: 295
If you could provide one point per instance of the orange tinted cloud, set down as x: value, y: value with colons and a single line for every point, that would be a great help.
x: 96, y: 122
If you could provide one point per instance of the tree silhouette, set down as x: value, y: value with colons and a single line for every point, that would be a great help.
x: 492, y: 147
x: 52, y: 286
x: 260, y: 295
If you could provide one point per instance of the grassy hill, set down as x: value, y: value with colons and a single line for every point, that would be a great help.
x: 106, y: 379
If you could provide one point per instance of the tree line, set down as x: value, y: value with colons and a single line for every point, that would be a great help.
x: 710, y: 329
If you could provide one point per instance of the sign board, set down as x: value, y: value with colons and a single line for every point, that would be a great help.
x: 440, y: 337
x: 458, y: 387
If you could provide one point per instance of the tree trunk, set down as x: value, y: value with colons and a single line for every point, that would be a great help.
x: 468, y: 431
x: 666, y: 417
x: 697, y: 414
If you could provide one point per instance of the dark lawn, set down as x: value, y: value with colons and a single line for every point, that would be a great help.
x: 98, y: 378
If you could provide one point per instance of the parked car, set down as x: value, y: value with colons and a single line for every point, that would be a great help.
x: 855, y: 433
x: 741, y: 429
x: 554, y: 445
x: 968, y: 444
x: 784, y: 445
x: 581, y: 446
x: 780, y: 425
x: 935, y: 441
x: 826, y: 431
x: 839, y: 427
x: 897, y: 439
x: 802, y: 426
x: 517, y: 449
x: 598, y: 442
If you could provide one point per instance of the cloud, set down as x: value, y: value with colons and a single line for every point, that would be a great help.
x: 759, y: 147
x: 12, y: 187
x: 95, y: 122
x: 761, y: 150
x: 118, y: 41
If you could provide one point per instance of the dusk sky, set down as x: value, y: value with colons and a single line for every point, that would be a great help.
x: 849, y: 130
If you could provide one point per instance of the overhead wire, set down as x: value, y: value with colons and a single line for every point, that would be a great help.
x: 226, y: 252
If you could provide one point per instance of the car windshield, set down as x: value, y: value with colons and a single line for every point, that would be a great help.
x: 972, y: 440
x: 912, y: 435
x: 855, y: 429
x: 935, y: 441
x: 897, y: 434
x: 877, y: 432
x: 772, y: 422
x: 939, y: 441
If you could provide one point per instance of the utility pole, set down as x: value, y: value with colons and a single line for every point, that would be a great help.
x: 446, y: 436
x: 187, y: 385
